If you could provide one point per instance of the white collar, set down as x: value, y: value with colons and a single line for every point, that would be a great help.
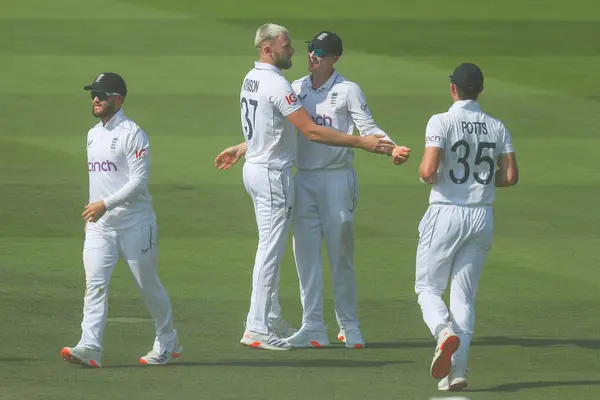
x: 269, y: 67
x: 471, y: 105
x: 114, y: 121
x: 328, y: 84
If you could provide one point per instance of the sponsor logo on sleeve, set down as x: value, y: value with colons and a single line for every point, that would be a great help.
x: 140, y: 153
x: 364, y: 107
x: 433, y: 139
x: 291, y: 99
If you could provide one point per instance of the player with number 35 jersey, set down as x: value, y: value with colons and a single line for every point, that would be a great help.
x: 467, y: 155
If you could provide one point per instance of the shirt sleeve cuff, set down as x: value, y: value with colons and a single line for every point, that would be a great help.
x: 108, y: 204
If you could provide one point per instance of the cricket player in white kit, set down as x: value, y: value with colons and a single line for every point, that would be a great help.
x: 467, y: 155
x: 269, y: 112
x: 119, y: 222
x: 327, y: 195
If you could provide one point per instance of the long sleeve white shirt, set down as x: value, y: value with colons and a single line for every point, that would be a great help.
x: 119, y: 170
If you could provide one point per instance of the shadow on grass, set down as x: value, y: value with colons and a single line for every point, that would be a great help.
x: 592, y: 344
x: 316, y: 363
x: 515, y: 387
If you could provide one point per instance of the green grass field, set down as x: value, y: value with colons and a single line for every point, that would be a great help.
x: 538, y: 316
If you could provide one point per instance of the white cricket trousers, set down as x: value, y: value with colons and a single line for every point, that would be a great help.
x: 325, y: 203
x: 272, y: 193
x: 138, y: 247
x: 454, y: 242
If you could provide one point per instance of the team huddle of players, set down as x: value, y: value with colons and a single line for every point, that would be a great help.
x: 307, y: 125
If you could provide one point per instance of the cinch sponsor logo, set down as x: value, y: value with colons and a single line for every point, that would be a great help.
x: 101, y: 166
x: 433, y: 139
x: 322, y: 120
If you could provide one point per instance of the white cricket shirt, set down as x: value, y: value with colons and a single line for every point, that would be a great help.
x: 472, y: 142
x: 119, y: 169
x: 266, y: 99
x: 339, y: 104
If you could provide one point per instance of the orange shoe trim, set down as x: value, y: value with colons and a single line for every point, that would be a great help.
x: 443, y: 364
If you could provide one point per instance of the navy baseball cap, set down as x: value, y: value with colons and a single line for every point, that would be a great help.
x: 468, y: 77
x: 108, y: 82
x: 328, y: 41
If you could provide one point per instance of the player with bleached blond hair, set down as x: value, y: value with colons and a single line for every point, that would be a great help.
x: 270, y: 111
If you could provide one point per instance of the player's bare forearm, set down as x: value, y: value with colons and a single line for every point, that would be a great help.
x: 430, y: 164
x: 503, y: 179
x: 507, y: 173
x: 323, y: 135
x: 320, y: 134
x: 242, y: 147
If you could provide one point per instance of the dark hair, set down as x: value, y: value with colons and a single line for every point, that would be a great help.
x: 470, y: 94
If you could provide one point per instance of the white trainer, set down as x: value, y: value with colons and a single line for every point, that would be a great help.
x: 352, y: 338
x: 448, y: 343
x: 262, y: 341
x: 281, y: 328
x: 455, y: 381
x: 83, y: 356
x: 155, y: 358
x: 308, y: 338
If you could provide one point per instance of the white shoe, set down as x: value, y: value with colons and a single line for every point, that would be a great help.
x: 281, y: 328
x: 262, y: 341
x: 448, y: 343
x: 82, y: 355
x: 155, y: 358
x: 455, y: 381
x: 308, y: 338
x: 352, y: 338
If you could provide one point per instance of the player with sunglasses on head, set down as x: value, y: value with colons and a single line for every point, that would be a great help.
x: 119, y: 222
x: 326, y: 194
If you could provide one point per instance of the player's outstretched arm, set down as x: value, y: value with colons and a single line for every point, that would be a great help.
x: 366, y: 125
x: 430, y: 163
x: 507, y: 173
x: 228, y: 157
x: 320, y: 134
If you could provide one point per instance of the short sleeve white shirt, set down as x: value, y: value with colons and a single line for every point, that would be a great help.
x: 266, y: 99
x: 472, y: 142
